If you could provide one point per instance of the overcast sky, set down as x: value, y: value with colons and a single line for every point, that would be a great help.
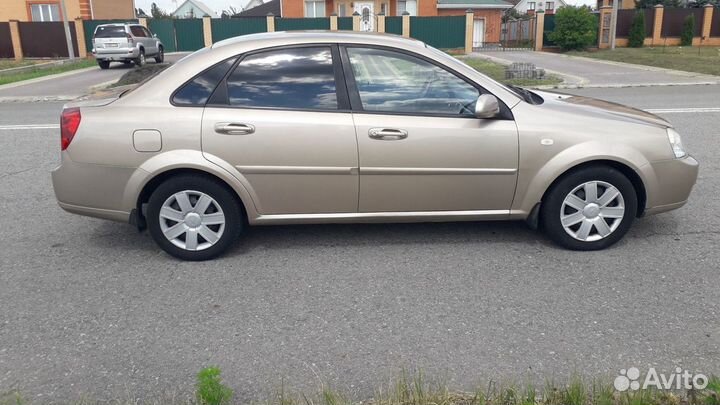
x: 220, y: 5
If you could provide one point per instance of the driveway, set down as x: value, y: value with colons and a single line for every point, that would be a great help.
x: 94, y: 308
x: 68, y: 86
x: 586, y: 72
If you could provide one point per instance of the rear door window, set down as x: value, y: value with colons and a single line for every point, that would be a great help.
x: 110, y: 32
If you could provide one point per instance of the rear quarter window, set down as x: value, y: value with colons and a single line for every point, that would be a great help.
x: 197, y: 91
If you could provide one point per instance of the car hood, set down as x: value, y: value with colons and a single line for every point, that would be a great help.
x: 599, y: 108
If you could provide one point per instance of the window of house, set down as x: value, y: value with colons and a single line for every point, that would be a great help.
x: 45, y: 12
x: 550, y: 5
x: 407, y: 5
x: 296, y: 78
x: 342, y: 10
x: 408, y: 84
x: 531, y: 6
x: 384, y: 8
x: 315, y: 8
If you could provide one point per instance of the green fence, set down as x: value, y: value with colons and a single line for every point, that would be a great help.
x: 233, y: 27
x: 440, y: 32
x: 165, y: 31
x: 295, y: 24
x: 393, y: 25
x: 189, y: 34
x: 548, y: 28
x: 90, y: 25
x: 345, y: 23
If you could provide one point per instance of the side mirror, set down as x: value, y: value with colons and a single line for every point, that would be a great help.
x: 487, y: 106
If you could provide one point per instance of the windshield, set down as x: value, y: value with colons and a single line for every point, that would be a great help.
x: 110, y: 31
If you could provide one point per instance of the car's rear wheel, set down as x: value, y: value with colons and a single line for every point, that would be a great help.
x: 104, y: 64
x: 140, y: 61
x: 590, y: 208
x: 160, y: 57
x: 194, y: 217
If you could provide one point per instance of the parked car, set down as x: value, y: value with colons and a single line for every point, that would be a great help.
x: 127, y: 43
x: 313, y: 127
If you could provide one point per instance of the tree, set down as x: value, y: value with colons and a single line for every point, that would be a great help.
x: 157, y: 12
x: 688, y: 31
x: 636, y: 38
x: 511, y: 14
x: 575, y: 28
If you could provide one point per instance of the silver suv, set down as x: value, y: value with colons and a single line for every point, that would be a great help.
x: 127, y: 43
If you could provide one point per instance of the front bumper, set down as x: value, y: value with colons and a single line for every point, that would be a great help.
x: 674, y: 181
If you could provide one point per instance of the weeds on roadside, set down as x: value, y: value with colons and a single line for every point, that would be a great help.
x: 210, y: 390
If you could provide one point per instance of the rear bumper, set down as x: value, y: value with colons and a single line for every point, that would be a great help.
x: 116, y: 54
x: 91, y: 190
x: 675, y: 180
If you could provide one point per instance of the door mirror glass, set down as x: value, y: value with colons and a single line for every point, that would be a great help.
x: 487, y: 106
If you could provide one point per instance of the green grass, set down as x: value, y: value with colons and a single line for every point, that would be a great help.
x: 10, y: 63
x: 417, y: 389
x: 497, y: 71
x: 40, y: 72
x: 699, y: 59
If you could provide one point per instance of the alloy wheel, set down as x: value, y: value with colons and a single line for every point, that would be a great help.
x: 192, y: 220
x: 592, y: 211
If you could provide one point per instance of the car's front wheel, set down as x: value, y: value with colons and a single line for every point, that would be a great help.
x: 194, y: 217
x: 590, y: 208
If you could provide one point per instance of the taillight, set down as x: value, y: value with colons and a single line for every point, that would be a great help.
x: 69, y: 123
x: 129, y: 38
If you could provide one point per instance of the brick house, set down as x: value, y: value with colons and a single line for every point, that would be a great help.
x: 50, y: 10
x: 488, y: 13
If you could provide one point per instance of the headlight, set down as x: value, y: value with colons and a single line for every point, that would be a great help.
x: 676, y: 143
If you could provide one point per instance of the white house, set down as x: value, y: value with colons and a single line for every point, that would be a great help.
x: 530, y: 6
x: 193, y: 9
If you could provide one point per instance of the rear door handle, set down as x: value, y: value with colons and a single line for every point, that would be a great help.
x: 387, y: 134
x: 234, y: 128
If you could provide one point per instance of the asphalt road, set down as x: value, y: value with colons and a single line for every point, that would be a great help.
x: 93, y: 308
x: 71, y: 86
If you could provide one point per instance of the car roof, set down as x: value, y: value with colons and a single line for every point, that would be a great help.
x: 292, y: 37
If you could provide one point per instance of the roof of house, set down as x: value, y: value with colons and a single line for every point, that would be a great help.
x: 198, y: 4
x: 473, y: 4
x: 262, y: 10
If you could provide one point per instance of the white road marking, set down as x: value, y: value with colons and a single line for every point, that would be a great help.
x: 683, y: 110
x: 26, y: 127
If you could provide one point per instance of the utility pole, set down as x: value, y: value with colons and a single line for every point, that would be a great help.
x: 613, y: 23
x: 66, y: 24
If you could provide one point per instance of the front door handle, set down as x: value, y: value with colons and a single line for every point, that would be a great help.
x: 233, y: 128
x: 387, y: 134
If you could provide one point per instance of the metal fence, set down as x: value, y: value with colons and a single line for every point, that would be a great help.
x: 674, y: 20
x: 440, y: 32
x: 517, y: 34
x: 393, y: 25
x: 345, y: 23
x: 6, y: 48
x: 46, y: 39
x: 228, y: 28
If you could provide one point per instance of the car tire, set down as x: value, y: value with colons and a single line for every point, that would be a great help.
x: 590, y: 208
x: 140, y: 60
x: 180, y: 229
x: 104, y: 64
x: 160, y: 57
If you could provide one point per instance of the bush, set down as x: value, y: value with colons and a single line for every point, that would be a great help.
x: 575, y: 28
x: 688, y: 31
x: 636, y: 38
x: 210, y: 389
